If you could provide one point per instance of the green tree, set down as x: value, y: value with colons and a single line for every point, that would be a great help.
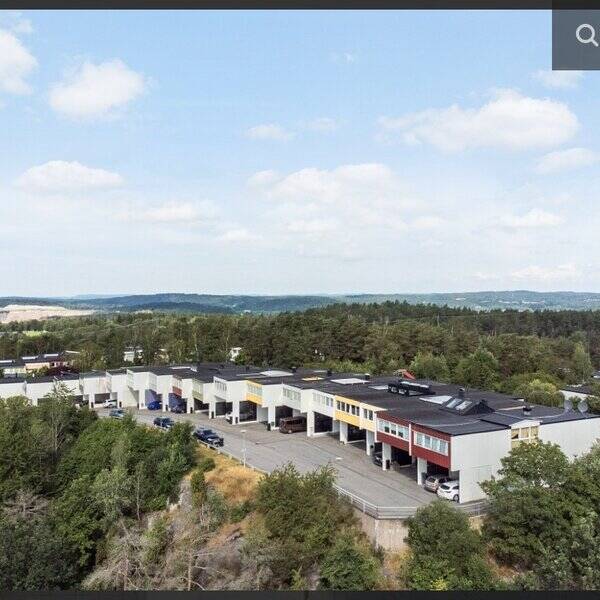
x: 427, y: 365
x: 581, y: 364
x: 479, y: 370
x: 349, y: 565
x: 540, y: 392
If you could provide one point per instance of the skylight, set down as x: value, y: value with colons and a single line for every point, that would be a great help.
x: 436, y: 399
x: 348, y: 380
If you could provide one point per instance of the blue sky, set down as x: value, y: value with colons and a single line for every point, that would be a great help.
x: 293, y: 152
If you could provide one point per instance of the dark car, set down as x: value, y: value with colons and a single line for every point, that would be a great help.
x: 178, y: 409
x: 116, y: 413
x: 164, y: 422
x: 154, y: 405
x: 377, y: 458
x: 209, y: 437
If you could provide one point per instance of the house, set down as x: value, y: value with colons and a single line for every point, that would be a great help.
x: 13, y: 367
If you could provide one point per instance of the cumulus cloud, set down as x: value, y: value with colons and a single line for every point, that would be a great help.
x: 558, y: 273
x: 238, y: 235
x: 510, y: 120
x: 173, y: 212
x: 263, y: 178
x: 343, y: 57
x: 269, y: 131
x: 322, y: 125
x: 16, y: 64
x: 535, y: 218
x: 558, y: 79
x: 566, y: 160
x: 58, y: 176
x: 94, y: 91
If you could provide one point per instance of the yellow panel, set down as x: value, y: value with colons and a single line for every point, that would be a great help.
x: 311, y: 378
x: 254, y: 399
x: 346, y: 418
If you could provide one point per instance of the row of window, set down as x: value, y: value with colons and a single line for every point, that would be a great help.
x: 431, y: 443
x: 399, y: 431
x: 523, y: 435
x: 293, y: 395
x: 346, y: 407
x: 323, y: 399
x: 254, y: 389
x: 220, y: 386
x: 367, y: 414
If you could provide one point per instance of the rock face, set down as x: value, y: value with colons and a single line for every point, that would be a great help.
x: 15, y: 313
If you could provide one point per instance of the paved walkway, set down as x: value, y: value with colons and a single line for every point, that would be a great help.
x: 267, y: 450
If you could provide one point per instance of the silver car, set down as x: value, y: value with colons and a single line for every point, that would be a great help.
x: 433, y: 482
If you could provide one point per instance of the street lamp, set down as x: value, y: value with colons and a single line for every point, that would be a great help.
x: 243, y: 432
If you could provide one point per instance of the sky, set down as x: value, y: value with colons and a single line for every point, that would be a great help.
x: 276, y: 152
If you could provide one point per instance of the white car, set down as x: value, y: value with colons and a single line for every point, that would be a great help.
x: 109, y: 404
x: 449, y: 491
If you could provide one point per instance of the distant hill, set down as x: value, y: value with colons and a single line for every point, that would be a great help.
x: 234, y: 304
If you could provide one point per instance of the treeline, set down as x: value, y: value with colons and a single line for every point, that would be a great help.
x: 69, y: 481
x: 497, y: 350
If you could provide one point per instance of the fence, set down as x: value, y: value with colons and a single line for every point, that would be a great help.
x: 377, y: 512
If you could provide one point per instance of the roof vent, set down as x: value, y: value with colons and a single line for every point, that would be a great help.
x: 527, y: 410
x: 567, y: 405
x: 461, y: 392
x: 329, y: 372
x: 294, y: 369
x: 247, y: 368
x: 368, y: 376
x: 582, y: 407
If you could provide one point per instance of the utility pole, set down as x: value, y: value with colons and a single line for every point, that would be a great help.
x: 243, y: 432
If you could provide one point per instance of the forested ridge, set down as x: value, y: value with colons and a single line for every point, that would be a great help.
x: 532, y: 352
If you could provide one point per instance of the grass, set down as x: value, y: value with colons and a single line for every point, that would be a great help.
x: 235, y: 482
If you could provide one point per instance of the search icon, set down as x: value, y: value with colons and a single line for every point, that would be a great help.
x: 590, y: 39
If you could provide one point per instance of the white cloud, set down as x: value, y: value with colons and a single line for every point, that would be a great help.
x: 509, y: 120
x: 427, y: 222
x: 262, y: 178
x: 343, y: 57
x: 535, y: 218
x: 269, y: 131
x: 173, y: 212
x: 558, y: 273
x: 93, y: 91
x: 63, y: 176
x: 323, y: 125
x: 237, y: 236
x: 565, y: 160
x: 312, y: 226
x: 16, y: 64
x: 559, y: 79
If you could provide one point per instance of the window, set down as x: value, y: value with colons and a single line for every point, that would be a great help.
x: 254, y: 389
x: 431, y: 443
x: 523, y: 435
x: 399, y: 431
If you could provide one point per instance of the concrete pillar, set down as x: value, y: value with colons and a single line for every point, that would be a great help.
x: 189, y: 403
x: 421, y: 468
x: 310, y: 423
x: 91, y: 400
x: 370, y: 442
x: 164, y: 400
x: 335, y: 426
x: 271, y: 416
x: 235, y: 412
x: 386, y: 455
x: 343, y: 432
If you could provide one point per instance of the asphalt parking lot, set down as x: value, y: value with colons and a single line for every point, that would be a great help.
x: 267, y: 450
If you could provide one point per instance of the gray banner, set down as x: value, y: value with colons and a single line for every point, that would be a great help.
x: 576, y: 40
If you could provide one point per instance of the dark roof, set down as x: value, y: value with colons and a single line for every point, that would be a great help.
x: 11, y: 380
x: 44, y: 358
x: 449, y: 410
x: 49, y: 379
x: 11, y: 362
x: 578, y: 389
x: 92, y: 374
x: 119, y: 371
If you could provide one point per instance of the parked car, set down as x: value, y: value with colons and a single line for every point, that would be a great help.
x: 208, y: 437
x: 178, y: 409
x: 292, y: 424
x: 109, y: 403
x: 449, y: 490
x: 433, y: 482
x: 116, y: 413
x: 377, y: 458
x: 154, y: 405
x: 164, y: 422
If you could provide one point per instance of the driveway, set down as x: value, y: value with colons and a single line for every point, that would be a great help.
x: 267, y: 450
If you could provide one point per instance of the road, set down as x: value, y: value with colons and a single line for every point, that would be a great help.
x: 267, y: 450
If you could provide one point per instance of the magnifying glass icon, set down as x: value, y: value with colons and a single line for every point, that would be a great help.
x: 590, y: 34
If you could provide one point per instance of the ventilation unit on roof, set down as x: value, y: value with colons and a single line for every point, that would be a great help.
x: 408, y: 386
x: 567, y: 405
x: 582, y: 407
x: 527, y: 410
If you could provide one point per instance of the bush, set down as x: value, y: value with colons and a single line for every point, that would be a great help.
x: 199, y: 487
x: 206, y: 464
x: 241, y: 511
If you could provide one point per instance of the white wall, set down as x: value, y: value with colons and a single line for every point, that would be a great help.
x: 7, y: 390
x: 574, y: 437
x: 477, y: 457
